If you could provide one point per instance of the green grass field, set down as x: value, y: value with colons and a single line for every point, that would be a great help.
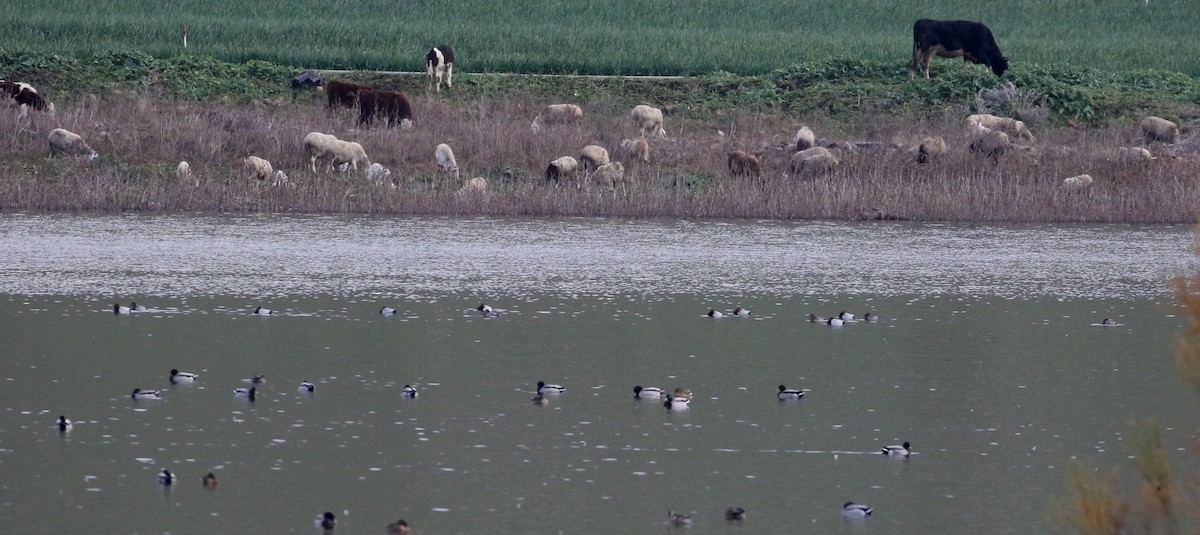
x: 613, y: 37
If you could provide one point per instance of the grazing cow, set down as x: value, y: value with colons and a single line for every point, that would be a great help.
x: 951, y: 39
x: 393, y: 106
x: 23, y: 96
x: 343, y: 93
x: 438, y: 62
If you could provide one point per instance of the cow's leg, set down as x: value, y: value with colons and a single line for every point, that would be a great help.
x: 926, y: 56
x: 449, y: 75
x: 912, y: 63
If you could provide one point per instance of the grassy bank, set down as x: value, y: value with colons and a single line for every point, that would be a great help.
x: 616, y: 37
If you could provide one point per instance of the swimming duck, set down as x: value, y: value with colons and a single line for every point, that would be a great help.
x: 739, y: 311
x: 897, y: 451
x: 1108, y: 322
x: 786, y: 393
x: 855, y: 510
x: 870, y: 318
x: 679, y: 519
x: 540, y: 400
x: 134, y: 307
x: 735, y: 514
x: 260, y: 311
x: 845, y: 316
x: 714, y: 313
x: 834, y: 322
x: 399, y: 527
x: 550, y: 390
x: 63, y: 424
x: 259, y: 379
x: 813, y: 318
x: 248, y: 393
x: 145, y: 394
x: 676, y: 403
x: 325, y: 521
x: 650, y: 392
x: 681, y: 392
x: 209, y: 480
x: 387, y: 311
x: 409, y: 392
x: 178, y: 377
x: 118, y: 309
x: 166, y: 478
x: 306, y: 386
x: 484, y: 308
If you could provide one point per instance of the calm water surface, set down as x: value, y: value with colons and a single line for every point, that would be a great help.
x: 986, y: 359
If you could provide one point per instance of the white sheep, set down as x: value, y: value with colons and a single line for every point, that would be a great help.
x: 1014, y: 129
x: 557, y: 114
x: 592, y: 157
x: 1159, y: 129
x: 742, y: 163
x: 636, y: 150
x: 327, y: 147
x: 804, y: 139
x: 259, y: 168
x: 648, y: 118
x: 813, y: 161
x: 1133, y: 154
x: 445, y: 159
x: 379, y: 175
x: 562, y: 168
x: 988, y: 143
x: 475, y: 185
x: 1077, y: 182
x: 183, y: 171
x: 610, y: 175
x: 930, y: 149
x: 66, y: 143
x: 281, y: 179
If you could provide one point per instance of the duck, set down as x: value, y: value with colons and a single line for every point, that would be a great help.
x: 63, y: 424
x: 484, y: 308
x: 166, y: 478
x: 650, y: 392
x: 260, y: 311
x: 1108, y: 322
x: 786, y: 393
x: 325, y: 521
x: 679, y: 519
x: 399, y: 527
x: 540, y: 400
x: 681, y: 392
x: 550, y: 390
x: 813, y: 318
x: 901, y: 450
x: 248, y: 393
x: 118, y: 309
x: 870, y: 318
x: 259, y: 379
x: 306, y: 386
x: 387, y: 311
x: 145, y: 394
x: 134, y: 307
x: 834, y: 322
x: 178, y: 377
x: 714, y: 313
x: 676, y: 403
x: 409, y: 392
x: 739, y: 311
x: 855, y: 510
x: 735, y: 514
x: 209, y: 480
x: 845, y: 316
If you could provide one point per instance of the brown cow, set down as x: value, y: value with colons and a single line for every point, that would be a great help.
x: 393, y: 106
x: 343, y: 93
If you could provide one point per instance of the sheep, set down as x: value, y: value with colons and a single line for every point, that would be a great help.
x: 557, y: 114
x: 1133, y: 154
x: 592, y: 157
x: 439, y: 61
x: 637, y: 150
x: 259, y: 168
x: 67, y: 143
x: 281, y: 179
x: 183, y: 171
x: 804, y: 139
x: 445, y: 159
x: 562, y: 168
x: 1077, y: 182
x: 988, y: 143
x: 379, y: 175
x: 1014, y: 129
x: 475, y: 185
x: 611, y: 175
x: 742, y: 163
x: 1159, y: 129
x: 648, y: 118
x: 327, y: 147
x: 813, y: 161
x: 931, y: 148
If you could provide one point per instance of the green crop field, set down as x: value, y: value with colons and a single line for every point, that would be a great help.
x: 611, y: 37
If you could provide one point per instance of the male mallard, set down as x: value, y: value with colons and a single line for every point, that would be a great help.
x: 409, y: 392
x: 63, y: 424
x: 145, y: 394
x: 786, y: 393
x: 714, y: 313
x: 739, y: 311
x: 260, y: 311
x: 118, y: 309
x: 166, y: 478
x: 178, y: 377
x: 679, y: 519
x: 387, y: 311
x: 855, y: 510
x: 650, y: 392
x: 897, y: 451
x: 735, y: 514
x: 306, y: 386
x: 676, y: 403
x: 325, y: 521
x: 247, y: 393
x: 550, y: 390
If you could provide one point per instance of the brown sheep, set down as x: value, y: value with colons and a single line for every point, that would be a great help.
x: 557, y: 114
x: 610, y: 175
x: 931, y: 148
x: 1014, y: 129
x: 637, y: 150
x: 814, y: 161
x: 988, y: 143
x: 1159, y: 129
x: 742, y: 163
x: 805, y: 139
x: 562, y: 168
x: 592, y: 157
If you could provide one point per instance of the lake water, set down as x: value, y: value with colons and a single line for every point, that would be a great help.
x: 986, y: 358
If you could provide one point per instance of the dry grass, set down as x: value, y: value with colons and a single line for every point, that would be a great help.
x: 141, y: 139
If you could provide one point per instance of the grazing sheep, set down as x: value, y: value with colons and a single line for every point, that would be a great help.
x: 804, y: 139
x: 1014, y: 129
x: 475, y: 185
x: 562, y: 168
x: 1133, y: 154
x: 327, y: 147
x: 1159, y: 129
x: 67, y: 143
x: 742, y: 163
x: 637, y: 150
x: 445, y: 159
x: 439, y: 62
x: 592, y: 157
x: 183, y: 171
x: 557, y: 114
x: 931, y: 148
x: 648, y: 118
x: 1077, y: 182
x: 610, y: 175
x: 281, y: 179
x: 259, y: 168
x: 813, y: 161
x: 988, y: 143
x: 379, y: 175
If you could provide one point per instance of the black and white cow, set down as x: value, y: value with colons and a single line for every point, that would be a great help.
x: 951, y: 39
x: 23, y: 96
x: 438, y: 62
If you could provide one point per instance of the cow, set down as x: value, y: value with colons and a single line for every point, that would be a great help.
x: 951, y: 39
x: 439, y: 61
x: 390, y: 105
x: 23, y: 96
x: 342, y: 93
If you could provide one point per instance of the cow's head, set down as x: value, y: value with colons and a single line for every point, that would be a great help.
x: 999, y: 65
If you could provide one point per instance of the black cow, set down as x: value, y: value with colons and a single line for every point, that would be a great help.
x: 951, y: 39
